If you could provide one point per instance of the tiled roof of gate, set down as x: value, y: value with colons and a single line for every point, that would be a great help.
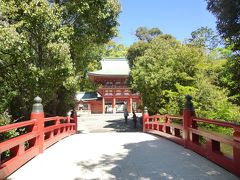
x: 84, y: 96
x: 113, y: 67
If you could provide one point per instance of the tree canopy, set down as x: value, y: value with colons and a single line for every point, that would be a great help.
x: 164, y: 70
x: 114, y: 50
x: 228, y: 25
x: 135, y: 50
x: 204, y: 37
x: 163, y: 64
x: 47, y: 47
x: 228, y: 20
x: 146, y: 34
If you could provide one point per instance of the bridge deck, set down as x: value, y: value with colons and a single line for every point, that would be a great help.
x: 112, y: 155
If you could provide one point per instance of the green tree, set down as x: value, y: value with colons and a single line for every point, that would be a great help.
x: 204, y: 37
x: 136, y: 50
x: 230, y: 78
x: 228, y: 25
x: 146, y: 34
x: 56, y: 42
x: 167, y: 70
x: 212, y: 102
x: 228, y: 20
x: 165, y: 63
x: 94, y: 24
x: 36, y: 40
x: 112, y: 49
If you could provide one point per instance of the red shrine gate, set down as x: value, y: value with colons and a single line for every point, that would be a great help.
x: 113, y: 92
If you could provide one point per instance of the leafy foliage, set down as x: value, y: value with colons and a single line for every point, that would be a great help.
x: 41, y: 45
x: 4, y: 120
x: 164, y: 63
x: 145, y: 34
x: 230, y: 78
x: 205, y: 38
x: 228, y: 25
x: 136, y: 50
x: 46, y: 49
x: 94, y: 23
x: 228, y: 20
x: 114, y: 50
x: 165, y: 70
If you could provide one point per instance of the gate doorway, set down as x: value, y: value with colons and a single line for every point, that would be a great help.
x: 119, y: 106
x: 108, y: 107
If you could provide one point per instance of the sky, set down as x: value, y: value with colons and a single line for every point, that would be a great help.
x: 176, y: 17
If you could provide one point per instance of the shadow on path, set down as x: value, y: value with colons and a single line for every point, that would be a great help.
x: 150, y: 160
x: 106, y: 123
x: 119, y: 125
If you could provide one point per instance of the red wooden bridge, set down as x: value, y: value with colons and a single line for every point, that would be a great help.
x: 153, y: 157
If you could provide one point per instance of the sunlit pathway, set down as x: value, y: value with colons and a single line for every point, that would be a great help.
x: 111, y: 155
x: 96, y: 123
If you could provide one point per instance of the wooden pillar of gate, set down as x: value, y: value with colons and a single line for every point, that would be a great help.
x: 114, y: 105
x: 103, y: 105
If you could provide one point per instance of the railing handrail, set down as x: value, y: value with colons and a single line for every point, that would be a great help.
x: 218, y: 122
x: 188, y: 134
x: 17, y: 125
x: 164, y: 115
x: 204, y: 120
x: 55, y: 118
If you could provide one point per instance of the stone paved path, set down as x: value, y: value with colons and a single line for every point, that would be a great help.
x: 107, y: 123
x: 104, y: 154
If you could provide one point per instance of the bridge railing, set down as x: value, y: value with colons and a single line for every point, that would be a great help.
x: 39, y: 133
x: 164, y: 126
x: 186, y: 130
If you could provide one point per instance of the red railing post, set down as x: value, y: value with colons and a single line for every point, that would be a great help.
x: 167, y: 119
x: 236, y: 152
x: 188, y: 114
x: 38, y: 115
x: 145, y: 118
x: 57, y: 123
x: 167, y: 124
